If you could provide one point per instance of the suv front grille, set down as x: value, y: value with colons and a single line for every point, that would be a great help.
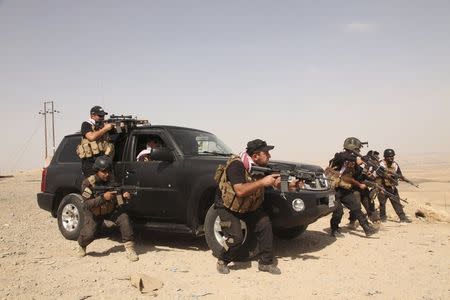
x: 320, y: 184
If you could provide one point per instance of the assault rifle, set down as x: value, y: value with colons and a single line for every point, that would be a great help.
x: 381, y: 189
x: 122, y: 123
x: 117, y: 189
x: 381, y: 171
x: 302, y: 175
x: 397, y: 177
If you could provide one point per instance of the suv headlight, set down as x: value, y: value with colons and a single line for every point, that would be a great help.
x: 298, y: 204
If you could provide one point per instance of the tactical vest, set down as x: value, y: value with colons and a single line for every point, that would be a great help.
x: 335, y: 176
x: 230, y: 200
x: 391, y: 170
x: 87, y: 149
x: 105, y: 208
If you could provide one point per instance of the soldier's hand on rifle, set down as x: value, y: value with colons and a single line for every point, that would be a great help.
x: 359, y: 161
x: 271, y: 180
x: 108, y: 196
x: 362, y: 186
x: 296, y: 184
x: 126, y: 195
x: 108, y: 126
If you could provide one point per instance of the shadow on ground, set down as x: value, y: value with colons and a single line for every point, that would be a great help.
x: 150, y: 241
x: 154, y: 241
x: 299, y: 248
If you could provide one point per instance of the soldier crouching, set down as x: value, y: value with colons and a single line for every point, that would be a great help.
x: 98, y: 207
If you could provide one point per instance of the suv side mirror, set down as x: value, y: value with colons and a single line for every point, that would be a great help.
x: 162, y: 154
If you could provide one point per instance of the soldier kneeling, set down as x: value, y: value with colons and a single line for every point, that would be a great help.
x: 98, y: 207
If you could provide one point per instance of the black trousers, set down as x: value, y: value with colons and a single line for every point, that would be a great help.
x: 92, y: 223
x: 347, y: 198
x: 396, y: 205
x: 368, y: 203
x: 258, y: 222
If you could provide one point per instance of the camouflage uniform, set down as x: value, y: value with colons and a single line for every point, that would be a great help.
x: 97, y: 209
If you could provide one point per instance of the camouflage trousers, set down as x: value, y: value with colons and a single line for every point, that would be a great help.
x: 92, y: 223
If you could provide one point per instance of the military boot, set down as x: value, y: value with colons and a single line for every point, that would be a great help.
x: 131, y: 253
x: 352, y: 225
x: 272, y: 269
x: 405, y: 219
x: 222, y: 267
x: 368, y: 230
x: 337, y: 233
x: 81, y: 251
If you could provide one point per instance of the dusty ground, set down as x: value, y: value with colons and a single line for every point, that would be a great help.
x: 401, y: 261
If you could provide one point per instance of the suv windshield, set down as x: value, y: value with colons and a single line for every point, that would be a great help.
x: 193, y: 142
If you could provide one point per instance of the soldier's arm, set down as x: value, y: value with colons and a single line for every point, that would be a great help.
x: 95, y: 135
x: 353, y: 181
x: 245, y: 189
x: 242, y: 188
x: 92, y: 200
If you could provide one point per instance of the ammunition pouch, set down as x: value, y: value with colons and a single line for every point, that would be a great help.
x: 336, y: 179
x: 230, y: 200
x: 87, y: 149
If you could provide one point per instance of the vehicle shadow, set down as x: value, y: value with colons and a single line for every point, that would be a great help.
x: 299, y: 248
x: 115, y: 249
x: 156, y: 241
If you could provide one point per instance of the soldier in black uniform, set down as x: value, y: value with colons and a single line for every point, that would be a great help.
x: 390, y: 185
x: 95, y: 141
x: 345, y: 166
x: 366, y: 196
x: 239, y: 197
x: 100, y: 206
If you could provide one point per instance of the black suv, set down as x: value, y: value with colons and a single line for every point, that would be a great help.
x: 175, y: 192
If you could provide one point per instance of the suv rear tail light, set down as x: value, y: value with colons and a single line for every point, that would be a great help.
x: 43, y: 179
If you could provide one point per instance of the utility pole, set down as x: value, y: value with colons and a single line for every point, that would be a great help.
x: 49, y: 109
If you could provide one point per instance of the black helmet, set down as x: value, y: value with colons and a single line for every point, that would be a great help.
x: 102, y: 163
x: 373, y: 153
x: 389, y: 153
x: 352, y: 143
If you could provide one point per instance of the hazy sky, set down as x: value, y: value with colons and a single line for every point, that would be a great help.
x: 302, y: 75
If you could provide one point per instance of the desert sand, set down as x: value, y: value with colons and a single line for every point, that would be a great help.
x: 402, y: 261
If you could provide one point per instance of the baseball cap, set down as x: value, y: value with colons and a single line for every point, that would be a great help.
x: 257, y: 145
x: 98, y: 110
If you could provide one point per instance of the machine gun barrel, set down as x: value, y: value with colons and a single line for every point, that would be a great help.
x: 299, y: 174
x: 122, y: 123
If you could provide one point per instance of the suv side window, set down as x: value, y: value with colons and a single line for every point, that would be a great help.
x: 68, y: 153
x: 143, y: 139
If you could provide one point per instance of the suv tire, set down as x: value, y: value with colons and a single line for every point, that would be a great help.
x: 214, y: 236
x: 70, y: 216
x: 289, y: 233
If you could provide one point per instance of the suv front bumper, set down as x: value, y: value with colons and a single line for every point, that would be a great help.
x: 283, y: 215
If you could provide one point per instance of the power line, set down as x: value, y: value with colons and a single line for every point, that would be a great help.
x: 49, y: 109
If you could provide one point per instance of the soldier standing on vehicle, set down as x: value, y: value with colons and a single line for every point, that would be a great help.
x: 101, y: 206
x: 95, y: 140
x: 345, y: 170
x: 393, y: 169
x: 240, y: 197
